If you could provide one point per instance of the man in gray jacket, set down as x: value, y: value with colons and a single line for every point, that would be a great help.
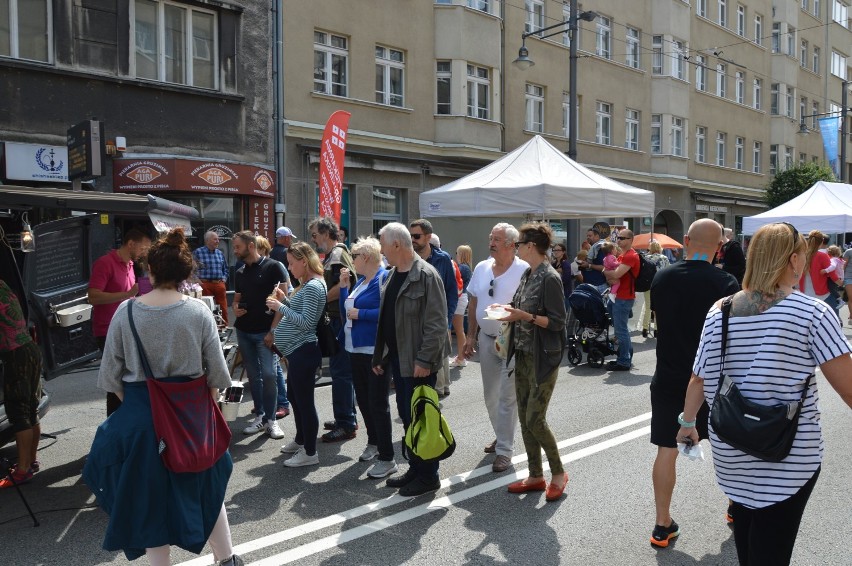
x: 411, y: 336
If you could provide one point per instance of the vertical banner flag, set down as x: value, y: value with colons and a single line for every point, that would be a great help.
x: 332, y: 151
x: 829, y: 127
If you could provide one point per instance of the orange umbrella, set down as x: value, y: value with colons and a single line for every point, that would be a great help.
x: 641, y: 241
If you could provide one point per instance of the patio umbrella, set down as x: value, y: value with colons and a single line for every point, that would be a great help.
x: 641, y: 241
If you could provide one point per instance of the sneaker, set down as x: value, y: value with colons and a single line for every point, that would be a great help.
x: 331, y: 425
x: 419, y: 486
x: 338, y: 435
x: 282, y: 412
x: 273, y: 430
x: 291, y: 447
x: 382, y: 469
x: 615, y: 366
x: 370, y: 452
x: 16, y: 478
x: 456, y: 362
x: 300, y: 459
x: 662, y: 535
x: 257, y: 425
x: 234, y: 560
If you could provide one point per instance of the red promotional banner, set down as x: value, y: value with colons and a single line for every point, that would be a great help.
x: 332, y: 152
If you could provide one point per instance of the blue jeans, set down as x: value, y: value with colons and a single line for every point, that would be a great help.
x: 279, y: 382
x: 260, y: 366
x: 404, y: 390
x: 620, y: 315
x: 342, y: 389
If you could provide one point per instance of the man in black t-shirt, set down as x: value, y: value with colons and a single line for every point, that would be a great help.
x: 681, y: 295
x: 592, y: 267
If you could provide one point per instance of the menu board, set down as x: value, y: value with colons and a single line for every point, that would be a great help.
x: 60, y: 258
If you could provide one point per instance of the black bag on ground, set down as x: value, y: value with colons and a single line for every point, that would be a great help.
x: 326, y: 338
x: 647, y: 270
x: 762, y: 431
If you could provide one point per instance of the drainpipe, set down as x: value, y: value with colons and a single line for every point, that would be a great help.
x: 278, y: 109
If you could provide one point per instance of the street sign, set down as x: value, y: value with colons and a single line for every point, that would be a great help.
x: 86, y: 150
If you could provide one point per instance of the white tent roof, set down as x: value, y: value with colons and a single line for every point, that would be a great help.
x: 539, y: 180
x: 826, y: 207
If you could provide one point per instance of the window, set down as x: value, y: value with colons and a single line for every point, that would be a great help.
x: 566, y: 114
x: 701, y: 8
x: 788, y: 157
x: 773, y: 159
x: 741, y: 20
x: 390, y: 74
x: 535, y: 108
x: 803, y: 157
x: 677, y: 136
x: 175, y: 44
x: 701, y: 144
x: 757, y: 94
x: 26, y: 29
x: 739, y: 152
x: 817, y: 7
x: 481, y: 5
x: 723, y: 13
x: 773, y: 99
x: 838, y: 65
x: 739, y: 87
x: 816, y: 62
x: 805, y: 4
x: 631, y: 136
x: 444, y: 83
x: 721, y: 80
x: 840, y: 13
x: 657, y: 55
x: 387, y: 207
x: 633, y: 47
x: 603, y: 123
x: 789, y: 102
x: 331, y: 58
x: 566, y: 17
x: 758, y: 29
x: 721, y: 138
x: 803, y: 107
x: 776, y: 37
x: 678, y: 61
x: 603, y: 47
x: 701, y: 72
x: 791, y: 41
x: 656, y: 133
x: 814, y: 117
x: 756, y: 157
x: 535, y: 15
x: 803, y: 54
x: 478, y: 86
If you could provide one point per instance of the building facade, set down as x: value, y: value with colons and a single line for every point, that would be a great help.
x: 700, y: 101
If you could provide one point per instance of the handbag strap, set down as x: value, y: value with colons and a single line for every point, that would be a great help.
x: 726, y: 314
x: 146, y: 367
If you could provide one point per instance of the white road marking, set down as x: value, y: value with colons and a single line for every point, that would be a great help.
x: 339, y: 518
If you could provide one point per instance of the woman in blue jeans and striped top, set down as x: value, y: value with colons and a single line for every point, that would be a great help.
x: 296, y: 339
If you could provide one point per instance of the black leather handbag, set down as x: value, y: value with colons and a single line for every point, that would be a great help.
x: 326, y: 338
x: 765, y: 432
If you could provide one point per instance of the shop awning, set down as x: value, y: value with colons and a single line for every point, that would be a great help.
x: 164, y: 213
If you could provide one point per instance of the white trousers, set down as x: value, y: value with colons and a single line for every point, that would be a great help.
x: 498, y: 384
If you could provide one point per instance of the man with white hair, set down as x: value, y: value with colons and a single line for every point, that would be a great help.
x: 411, y: 338
x: 495, y: 280
x: 213, y: 271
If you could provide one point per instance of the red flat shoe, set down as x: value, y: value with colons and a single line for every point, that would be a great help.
x: 532, y: 484
x: 553, y: 492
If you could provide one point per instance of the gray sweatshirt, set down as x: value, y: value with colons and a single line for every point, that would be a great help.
x: 179, y: 339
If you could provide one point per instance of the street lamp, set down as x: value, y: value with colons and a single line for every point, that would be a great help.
x: 523, y: 62
x: 844, y: 109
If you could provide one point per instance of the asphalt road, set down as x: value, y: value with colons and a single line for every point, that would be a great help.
x: 334, y: 515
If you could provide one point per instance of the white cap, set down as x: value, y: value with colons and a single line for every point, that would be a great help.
x: 283, y: 232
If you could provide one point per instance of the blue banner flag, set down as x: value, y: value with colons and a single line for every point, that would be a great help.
x: 829, y: 127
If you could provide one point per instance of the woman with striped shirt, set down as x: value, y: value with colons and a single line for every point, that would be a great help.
x: 296, y: 339
x: 776, y: 338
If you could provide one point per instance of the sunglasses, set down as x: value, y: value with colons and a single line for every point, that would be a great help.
x: 491, y: 290
x: 519, y: 244
x: 620, y: 238
x: 417, y: 236
x: 795, y: 232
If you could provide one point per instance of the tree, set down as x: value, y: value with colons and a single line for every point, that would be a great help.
x: 792, y: 182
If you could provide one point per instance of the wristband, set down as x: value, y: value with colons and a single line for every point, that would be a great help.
x: 683, y: 423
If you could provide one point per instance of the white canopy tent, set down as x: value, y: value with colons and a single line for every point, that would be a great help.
x: 825, y: 206
x: 540, y: 181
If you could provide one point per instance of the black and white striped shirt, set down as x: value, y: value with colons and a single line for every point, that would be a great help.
x: 771, y: 356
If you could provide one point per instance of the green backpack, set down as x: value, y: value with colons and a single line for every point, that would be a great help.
x: 428, y: 437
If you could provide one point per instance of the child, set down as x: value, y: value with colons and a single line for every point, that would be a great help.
x: 837, y: 263
x: 610, y: 262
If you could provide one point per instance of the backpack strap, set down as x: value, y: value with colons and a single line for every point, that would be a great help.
x: 146, y: 367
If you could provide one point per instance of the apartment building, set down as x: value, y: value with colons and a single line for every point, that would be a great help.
x: 699, y: 101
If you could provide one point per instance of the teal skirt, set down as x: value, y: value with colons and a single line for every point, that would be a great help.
x: 149, y: 506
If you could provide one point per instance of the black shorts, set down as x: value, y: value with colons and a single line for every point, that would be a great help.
x: 666, y: 405
x: 22, y: 386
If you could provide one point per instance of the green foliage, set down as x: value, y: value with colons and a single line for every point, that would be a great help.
x: 792, y: 182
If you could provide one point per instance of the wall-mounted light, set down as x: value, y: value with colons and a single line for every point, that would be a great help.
x: 27, y: 236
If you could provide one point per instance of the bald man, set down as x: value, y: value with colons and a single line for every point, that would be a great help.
x: 625, y: 274
x: 681, y: 294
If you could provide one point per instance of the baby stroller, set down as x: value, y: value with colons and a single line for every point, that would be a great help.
x: 592, y: 332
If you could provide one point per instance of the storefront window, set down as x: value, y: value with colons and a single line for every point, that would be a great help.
x: 387, y: 207
x: 220, y: 214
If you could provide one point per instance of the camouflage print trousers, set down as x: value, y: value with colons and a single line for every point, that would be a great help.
x: 533, y: 399
x: 22, y: 386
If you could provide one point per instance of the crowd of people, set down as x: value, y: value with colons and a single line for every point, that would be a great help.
x: 394, y: 300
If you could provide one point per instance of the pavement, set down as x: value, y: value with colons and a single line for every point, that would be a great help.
x: 333, y: 515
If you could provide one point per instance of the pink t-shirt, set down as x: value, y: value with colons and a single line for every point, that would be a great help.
x: 110, y: 275
x: 610, y: 263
